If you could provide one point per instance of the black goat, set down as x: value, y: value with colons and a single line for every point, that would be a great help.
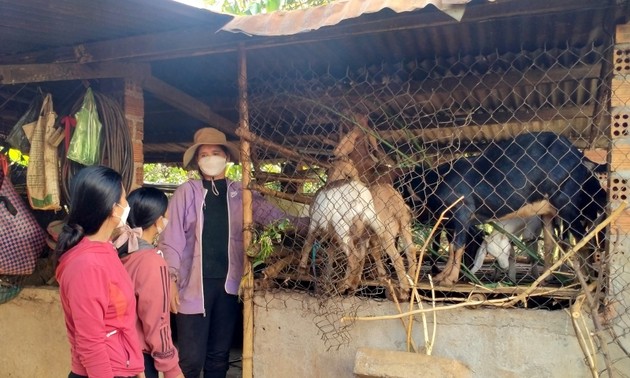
x: 533, y: 174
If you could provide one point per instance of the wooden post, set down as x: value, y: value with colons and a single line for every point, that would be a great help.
x: 247, y: 283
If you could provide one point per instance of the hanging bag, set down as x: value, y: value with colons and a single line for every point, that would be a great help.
x: 22, y: 240
x: 85, y: 144
x: 42, y: 174
x: 17, y: 137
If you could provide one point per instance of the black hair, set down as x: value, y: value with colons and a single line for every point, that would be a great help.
x: 226, y: 150
x: 93, y: 193
x: 147, y: 205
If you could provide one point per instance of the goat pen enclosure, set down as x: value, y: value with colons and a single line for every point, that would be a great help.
x: 321, y: 134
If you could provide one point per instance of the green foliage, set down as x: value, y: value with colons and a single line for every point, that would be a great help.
x: 157, y: 173
x: 164, y: 174
x: 263, y: 242
x: 252, y: 7
x: 15, y: 156
x: 234, y: 172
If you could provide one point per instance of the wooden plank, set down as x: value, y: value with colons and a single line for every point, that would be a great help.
x: 187, y: 104
x: 37, y: 73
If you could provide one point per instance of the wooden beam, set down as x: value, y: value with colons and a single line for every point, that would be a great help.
x: 37, y: 73
x: 187, y: 104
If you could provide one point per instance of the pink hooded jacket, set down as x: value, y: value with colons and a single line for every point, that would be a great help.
x: 99, y: 308
x: 149, y: 274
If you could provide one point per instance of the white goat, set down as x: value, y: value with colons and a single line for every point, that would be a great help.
x: 383, y: 212
x: 498, y: 245
x: 343, y: 211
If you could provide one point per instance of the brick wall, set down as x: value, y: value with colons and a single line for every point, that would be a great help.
x: 134, y: 114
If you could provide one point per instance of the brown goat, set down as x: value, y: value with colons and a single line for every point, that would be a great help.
x: 394, y: 214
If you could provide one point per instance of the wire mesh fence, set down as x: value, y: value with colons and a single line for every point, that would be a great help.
x: 484, y: 171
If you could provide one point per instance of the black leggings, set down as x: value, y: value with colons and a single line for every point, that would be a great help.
x: 204, y: 341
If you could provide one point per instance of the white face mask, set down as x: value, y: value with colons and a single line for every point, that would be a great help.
x: 125, y: 214
x: 212, y: 165
x: 164, y: 223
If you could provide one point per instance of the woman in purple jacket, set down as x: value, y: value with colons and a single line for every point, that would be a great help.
x: 203, y: 245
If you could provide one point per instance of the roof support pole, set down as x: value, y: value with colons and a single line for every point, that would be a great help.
x: 247, y: 284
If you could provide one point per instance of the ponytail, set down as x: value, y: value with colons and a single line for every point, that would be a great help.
x: 70, y: 235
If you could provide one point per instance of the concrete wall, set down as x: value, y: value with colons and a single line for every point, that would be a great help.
x: 33, y: 340
x: 492, y: 342
x: 288, y: 343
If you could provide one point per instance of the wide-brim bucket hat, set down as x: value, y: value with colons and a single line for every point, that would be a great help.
x: 209, y: 135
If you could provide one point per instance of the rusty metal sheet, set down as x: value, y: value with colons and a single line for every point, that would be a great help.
x: 304, y: 20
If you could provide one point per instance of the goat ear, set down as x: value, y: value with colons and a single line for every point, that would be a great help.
x: 347, y: 143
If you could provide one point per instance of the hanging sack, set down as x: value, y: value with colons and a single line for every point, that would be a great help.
x: 17, y: 137
x: 22, y: 240
x: 85, y: 144
x: 42, y: 174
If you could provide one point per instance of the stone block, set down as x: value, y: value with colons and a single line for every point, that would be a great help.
x: 382, y: 363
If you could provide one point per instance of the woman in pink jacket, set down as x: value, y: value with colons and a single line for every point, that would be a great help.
x: 149, y: 273
x: 96, y: 293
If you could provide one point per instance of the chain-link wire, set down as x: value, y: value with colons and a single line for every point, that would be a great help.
x: 374, y: 155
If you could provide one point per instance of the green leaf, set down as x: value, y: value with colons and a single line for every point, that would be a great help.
x: 254, y: 8
x: 273, y: 5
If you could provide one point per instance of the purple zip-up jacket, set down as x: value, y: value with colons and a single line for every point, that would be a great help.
x: 181, y: 239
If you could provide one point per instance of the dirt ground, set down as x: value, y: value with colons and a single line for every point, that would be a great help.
x: 33, y: 339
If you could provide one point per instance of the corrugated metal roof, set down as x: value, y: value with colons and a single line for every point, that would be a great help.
x: 304, y: 20
x: 35, y: 25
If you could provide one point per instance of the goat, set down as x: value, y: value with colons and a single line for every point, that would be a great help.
x: 499, y: 246
x: 347, y: 211
x: 532, y: 174
x: 392, y: 211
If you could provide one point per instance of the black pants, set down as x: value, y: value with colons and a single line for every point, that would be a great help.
x: 204, y: 341
x: 149, y: 366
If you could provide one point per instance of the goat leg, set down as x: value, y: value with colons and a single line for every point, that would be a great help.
x: 450, y: 275
x: 548, y: 240
x: 410, y: 250
x: 389, y: 246
x: 306, y: 249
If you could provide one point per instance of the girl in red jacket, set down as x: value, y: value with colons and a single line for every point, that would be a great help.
x: 96, y: 293
x: 149, y: 273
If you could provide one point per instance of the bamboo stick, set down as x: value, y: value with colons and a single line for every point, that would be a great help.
x: 416, y: 277
x: 268, y: 176
x: 295, y: 197
x: 245, y: 134
x: 614, y: 215
x: 247, y: 283
x: 504, y: 301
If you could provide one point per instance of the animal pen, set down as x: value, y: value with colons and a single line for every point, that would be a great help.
x: 344, y: 139
x: 472, y: 159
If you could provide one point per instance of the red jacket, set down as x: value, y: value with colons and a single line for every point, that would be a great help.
x: 100, y: 311
x: 149, y: 274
